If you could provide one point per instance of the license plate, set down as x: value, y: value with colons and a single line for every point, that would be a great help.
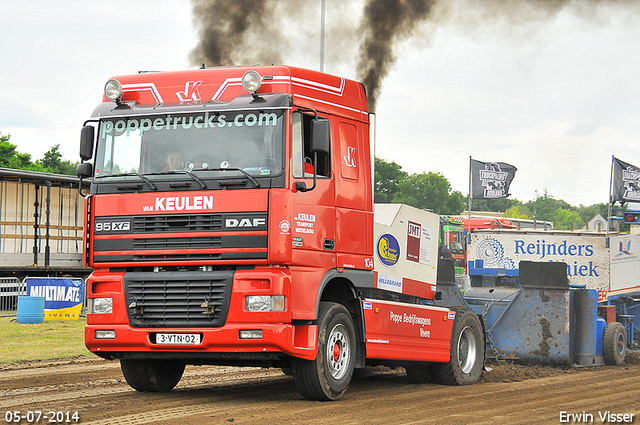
x: 181, y: 339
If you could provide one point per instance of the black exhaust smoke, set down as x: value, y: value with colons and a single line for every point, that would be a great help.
x: 234, y: 32
x: 384, y: 23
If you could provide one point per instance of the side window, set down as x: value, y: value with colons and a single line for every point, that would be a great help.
x: 298, y: 149
x: 303, y: 159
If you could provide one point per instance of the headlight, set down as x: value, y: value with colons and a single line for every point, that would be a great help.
x: 102, y: 334
x: 265, y: 303
x: 100, y: 305
x: 250, y: 334
x: 251, y: 81
x: 113, y: 90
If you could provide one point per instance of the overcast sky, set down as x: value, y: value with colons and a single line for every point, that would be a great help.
x: 556, y: 95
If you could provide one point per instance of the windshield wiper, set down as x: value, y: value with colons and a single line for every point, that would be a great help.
x: 189, y: 173
x: 247, y: 175
x: 143, y: 178
x: 202, y: 184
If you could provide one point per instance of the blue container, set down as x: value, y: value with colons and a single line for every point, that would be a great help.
x: 30, y: 309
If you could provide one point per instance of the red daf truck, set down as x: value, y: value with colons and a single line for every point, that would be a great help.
x: 230, y: 221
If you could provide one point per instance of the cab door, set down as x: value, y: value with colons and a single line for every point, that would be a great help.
x: 313, y: 217
x: 354, y: 217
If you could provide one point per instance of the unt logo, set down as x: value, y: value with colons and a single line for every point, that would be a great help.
x: 350, y: 157
x: 414, y: 230
x: 191, y: 92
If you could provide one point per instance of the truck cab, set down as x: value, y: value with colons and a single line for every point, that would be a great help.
x: 230, y: 221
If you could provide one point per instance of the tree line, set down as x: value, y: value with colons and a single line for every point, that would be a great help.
x: 432, y: 191
x: 51, y: 162
x: 428, y: 190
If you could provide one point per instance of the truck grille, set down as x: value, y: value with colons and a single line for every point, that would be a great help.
x: 224, y: 237
x: 177, y: 223
x: 178, y: 299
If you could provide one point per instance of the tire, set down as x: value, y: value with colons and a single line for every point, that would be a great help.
x: 418, y: 372
x: 329, y: 375
x: 614, y: 343
x: 467, y: 351
x: 152, y: 375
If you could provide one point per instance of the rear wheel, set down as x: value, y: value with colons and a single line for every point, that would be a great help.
x: 614, y: 343
x: 329, y: 375
x: 152, y: 375
x: 467, y: 351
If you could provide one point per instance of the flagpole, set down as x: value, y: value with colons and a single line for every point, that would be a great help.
x: 610, y: 197
x: 470, y: 198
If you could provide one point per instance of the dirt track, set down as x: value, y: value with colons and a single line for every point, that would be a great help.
x: 508, y: 394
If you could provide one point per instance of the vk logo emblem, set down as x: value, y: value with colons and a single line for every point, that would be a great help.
x: 350, y: 157
x: 191, y: 92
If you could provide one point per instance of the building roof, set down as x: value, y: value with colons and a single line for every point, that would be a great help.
x: 52, y: 179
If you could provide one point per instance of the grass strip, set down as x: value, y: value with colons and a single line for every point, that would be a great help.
x: 51, y: 339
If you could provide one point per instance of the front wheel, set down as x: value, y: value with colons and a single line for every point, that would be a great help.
x: 467, y: 351
x: 329, y: 375
x: 152, y: 375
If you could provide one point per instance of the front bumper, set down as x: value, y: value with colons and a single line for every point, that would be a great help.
x: 215, y: 343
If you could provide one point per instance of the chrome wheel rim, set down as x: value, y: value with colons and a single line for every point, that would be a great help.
x: 338, y: 351
x: 467, y: 349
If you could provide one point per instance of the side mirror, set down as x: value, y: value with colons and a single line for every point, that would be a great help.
x: 84, y: 169
x: 320, y: 136
x: 86, y: 142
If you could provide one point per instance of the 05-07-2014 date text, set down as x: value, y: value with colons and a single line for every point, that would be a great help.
x: 38, y: 416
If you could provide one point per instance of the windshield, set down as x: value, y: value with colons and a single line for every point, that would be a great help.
x: 453, y: 238
x: 204, y: 142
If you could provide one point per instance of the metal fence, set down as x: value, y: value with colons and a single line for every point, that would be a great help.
x: 11, y: 288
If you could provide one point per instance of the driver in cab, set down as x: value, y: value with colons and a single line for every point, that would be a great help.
x: 174, y: 161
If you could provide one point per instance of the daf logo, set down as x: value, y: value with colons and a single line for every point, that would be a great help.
x: 245, y: 222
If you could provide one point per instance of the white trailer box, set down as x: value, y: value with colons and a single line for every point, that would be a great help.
x: 406, y: 249
x: 625, y: 265
x: 612, y: 271
x: 585, y: 254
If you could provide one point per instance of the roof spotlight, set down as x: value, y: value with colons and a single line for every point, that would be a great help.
x: 113, y: 90
x: 251, y: 81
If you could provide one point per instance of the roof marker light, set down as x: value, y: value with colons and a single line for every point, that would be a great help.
x: 113, y: 90
x: 251, y: 81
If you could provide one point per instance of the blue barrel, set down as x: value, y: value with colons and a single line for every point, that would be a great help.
x: 30, y: 309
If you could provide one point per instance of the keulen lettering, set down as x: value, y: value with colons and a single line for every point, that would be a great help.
x: 184, y: 203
